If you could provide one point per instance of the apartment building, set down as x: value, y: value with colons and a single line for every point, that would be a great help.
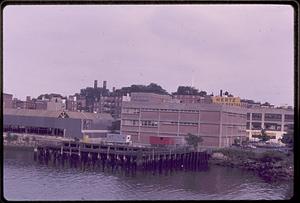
x: 7, y: 100
x: 155, y: 122
x: 276, y: 122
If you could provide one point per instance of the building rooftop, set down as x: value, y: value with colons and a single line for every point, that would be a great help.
x: 56, y: 114
x: 183, y: 106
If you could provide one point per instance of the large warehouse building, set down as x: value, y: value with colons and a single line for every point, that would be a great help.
x: 169, y: 122
x: 275, y: 121
x: 56, y: 123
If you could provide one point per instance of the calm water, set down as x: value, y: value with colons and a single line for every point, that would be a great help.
x: 25, y: 179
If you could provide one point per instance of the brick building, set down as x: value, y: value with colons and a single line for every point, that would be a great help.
x: 154, y: 122
x: 7, y: 100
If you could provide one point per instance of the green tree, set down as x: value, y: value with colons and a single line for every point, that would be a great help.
x: 193, y: 140
x: 263, y: 136
x: 237, y: 141
x: 187, y: 90
x: 202, y: 93
x: 288, y: 139
x: 151, y: 88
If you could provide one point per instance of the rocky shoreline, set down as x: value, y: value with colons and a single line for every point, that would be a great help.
x: 271, y: 167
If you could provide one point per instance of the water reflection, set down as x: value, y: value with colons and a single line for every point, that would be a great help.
x: 25, y: 179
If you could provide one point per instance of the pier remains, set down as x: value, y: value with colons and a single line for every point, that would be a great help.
x: 113, y: 157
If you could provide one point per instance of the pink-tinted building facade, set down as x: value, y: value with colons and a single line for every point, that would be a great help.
x: 218, y: 125
x: 7, y: 100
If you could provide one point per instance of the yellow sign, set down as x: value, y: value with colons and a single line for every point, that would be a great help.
x: 233, y: 101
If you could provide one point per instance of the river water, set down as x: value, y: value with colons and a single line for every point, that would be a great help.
x: 25, y: 179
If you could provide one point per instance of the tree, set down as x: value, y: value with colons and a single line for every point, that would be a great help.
x: 186, y: 90
x: 263, y: 136
x: 193, y: 140
x: 288, y: 139
x: 202, y: 93
x: 151, y: 88
x: 237, y: 141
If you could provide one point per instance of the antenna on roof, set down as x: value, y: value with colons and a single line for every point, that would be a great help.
x: 192, y: 78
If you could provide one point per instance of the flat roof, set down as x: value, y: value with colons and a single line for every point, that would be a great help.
x: 184, y: 106
x: 55, y: 114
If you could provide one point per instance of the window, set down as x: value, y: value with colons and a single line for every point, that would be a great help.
x: 256, y: 116
x: 130, y: 111
x: 248, y: 125
x: 256, y: 126
x: 248, y: 116
x: 288, y: 117
x: 272, y: 126
x: 188, y: 123
x: 149, y: 123
x: 272, y: 117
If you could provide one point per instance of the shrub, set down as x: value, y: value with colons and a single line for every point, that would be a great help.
x: 270, y: 156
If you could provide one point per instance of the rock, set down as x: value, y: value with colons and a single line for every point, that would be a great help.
x: 218, y: 155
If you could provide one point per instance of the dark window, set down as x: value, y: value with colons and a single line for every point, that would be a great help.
x: 272, y: 126
x: 272, y: 117
x: 289, y: 117
x: 256, y: 126
x: 289, y: 127
x: 256, y: 116
x: 248, y: 116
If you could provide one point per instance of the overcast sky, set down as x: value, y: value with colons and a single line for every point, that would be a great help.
x: 244, y: 49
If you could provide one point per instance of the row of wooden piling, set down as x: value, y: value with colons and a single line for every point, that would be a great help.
x: 128, y: 162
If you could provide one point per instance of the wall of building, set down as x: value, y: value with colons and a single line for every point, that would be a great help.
x: 276, y: 121
x: 72, y: 126
x: 7, y: 100
x: 218, y: 125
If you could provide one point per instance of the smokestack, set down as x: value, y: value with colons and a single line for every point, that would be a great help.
x: 95, y: 84
x: 114, y: 89
x: 27, y: 98
x: 221, y: 93
x: 104, y: 84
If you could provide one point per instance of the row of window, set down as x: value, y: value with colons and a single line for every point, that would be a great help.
x: 155, y: 123
x: 269, y: 126
x: 136, y: 111
x: 270, y: 116
x: 133, y: 111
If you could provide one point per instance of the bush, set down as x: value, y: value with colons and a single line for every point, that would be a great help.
x: 237, y: 153
x: 271, y: 156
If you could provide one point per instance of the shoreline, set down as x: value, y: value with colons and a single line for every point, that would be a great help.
x: 271, y: 166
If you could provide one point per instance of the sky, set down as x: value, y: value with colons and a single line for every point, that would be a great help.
x: 246, y: 50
